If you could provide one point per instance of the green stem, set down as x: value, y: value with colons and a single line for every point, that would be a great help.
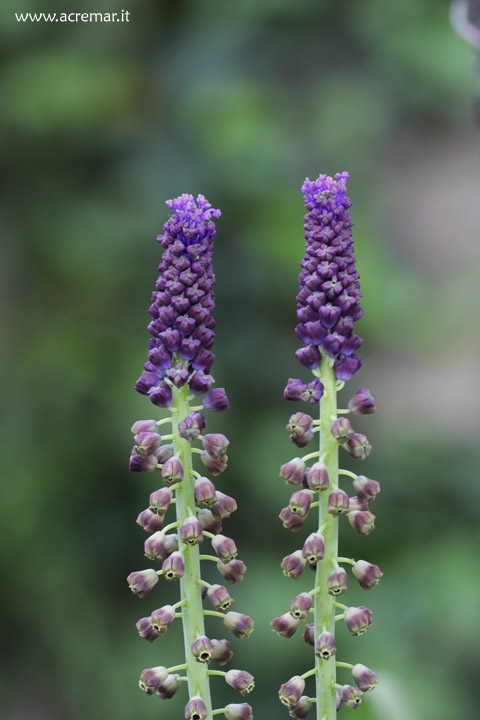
x: 190, y: 593
x: 324, y: 604
x: 344, y: 665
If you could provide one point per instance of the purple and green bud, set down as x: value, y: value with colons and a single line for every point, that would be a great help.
x: 222, y: 652
x: 301, y: 709
x: 142, y: 581
x: 291, y: 691
x: 238, y: 711
x: 290, y: 520
x: 209, y: 522
x: 300, y: 502
x: 172, y: 471
x: 355, y: 504
x: 173, y: 567
x: 300, y: 606
x: 240, y: 680
x: 366, y: 488
x: 358, y: 446
x: 307, y: 392
x: 196, y: 709
x: 160, y: 501
x: 309, y: 634
x: 367, y: 574
x: 151, y: 522
x: 214, y: 465
x: 144, y: 426
x: 215, y: 444
x: 162, y: 618
x: 161, y: 396
x: 171, y: 543
x: 216, y: 400
x: 164, y: 453
x: 155, y: 546
x: 232, y: 571
x: 220, y: 597
x: 293, y: 471
x: 338, y: 503
x: 202, y: 649
x: 365, y: 678
x: 241, y: 625
x: 169, y: 687
x: 225, y: 548
x: 191, y: 428
x: 285, y: 625
x: 316, y: 477
x: 325, y: 646
x: 204, y: 491
x: 358, y: 619
x: 363, y: 521
x: 191, y: 531
x: 224, y: 505
x: 293, y: 565
x: 342, y: 430
x: 146, y: 630
x: 362, y: 403
x: 351, y: 696
x: 146, y: 443
x: 337, y: 582
x: 300, y: 429
x: 139, y: 463
x: 314, y: 548
x: 151, y: 679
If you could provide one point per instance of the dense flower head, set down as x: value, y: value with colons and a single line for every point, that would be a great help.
x: 182, y: 303
x: 329, y: 294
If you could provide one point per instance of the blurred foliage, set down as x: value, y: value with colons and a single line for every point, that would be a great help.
x: 239, y: 101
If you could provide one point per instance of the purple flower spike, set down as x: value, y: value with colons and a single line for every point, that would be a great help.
x: 162, y: 618
x: 241, y: 625
x: 202, y: 649
x: 151, y: 522
x: 337, y: 582
x: 172, y: 471
x: 240, y: 680
x: 173, y: 567
x: 146, y: 630
x: 367, y: 574
x: 216, y: 400
x: 151, y: 678
x: 142, y: 582
x: 365, y: 678
x: 325, y: 647
x: 351, y: 696
x: 225, y: 548
x: 195, y: 709
x: 238, y: 711
x: 233, y: 571
x: 300, y: 606
x: 293, y: 471
x: 301, y: 709
x: 316, y: 477
x: 291, y: 691
x: 358, y: 619
x: 220, y: 597
x: 191, y: 531
x: 362, y: 403
x: 222, y: 652
x: 293, y: 565
x: 285, y: 625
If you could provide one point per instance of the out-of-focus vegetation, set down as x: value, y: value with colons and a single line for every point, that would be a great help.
x: 240, y: 101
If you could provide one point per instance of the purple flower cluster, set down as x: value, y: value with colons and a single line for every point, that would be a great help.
x: 182, y: 303
x: 328, y: 300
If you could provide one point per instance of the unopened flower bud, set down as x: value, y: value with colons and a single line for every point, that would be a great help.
x: 191, y: 531
x: 238, y: 711
x: 216, y: 400
x: 214, y: 465
x: 139, y: 463
x: 222, y: 652
x: 146, y: 443
x: 200, y: 383
x: 162, y: 618
x: 365, y: 678
x: 220, y: 597
x: 308, y: 356
x: 241, y: 625
x: 316, y: 477
x: 151, y: 522
x: 215, y: 444
x: 293, y: 565
x: 160, y: 501
x: 209, y: 522
x: 155, y: 546
x: 362, y: 403
x: 190, y: 427
x: 363, y: 521
x: 298, y: 390
x: 224, y: 505
x: 367, y: 574
x: 172, y: 471
x: 354, y: 504
x: 366, y: 488
x: 169, y: 687
x: 240, y: 680
x: 202, y: 649
x: 291, y: 691
x: 338, y: 698
x: 337, y: 582
x: 204, y: 492
x: 161, y: 396
x: 342, y: 430
x: 309, y: 634
x: 300, y: 606
x: 300, y: 429
x: 285, y: 625
x: 151, y: 678
x: 196, y: 709
x: 145, y: 630
x: 233, y: 571
x: 164, y: 453
x: 144, y: 426
x: 300, y: 502
x: 358, y: 619
x: 171, y: 544
x: 301, y: 709
x: 325, y: 647
x: 142, y: 581
x: 338, y: 503
x: 314, y: 548
x: 290, y: 520
x: 173, y: 567
x: 351, y: 696
x: 293, y: 471
x: 225, y: 548
x: 358, y: 446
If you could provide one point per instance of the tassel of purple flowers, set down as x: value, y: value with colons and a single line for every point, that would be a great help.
x: 178, y: 372
x: 327, y: 308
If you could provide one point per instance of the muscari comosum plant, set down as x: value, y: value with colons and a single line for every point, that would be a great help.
x: 177, y: 373
x: 327, y: 307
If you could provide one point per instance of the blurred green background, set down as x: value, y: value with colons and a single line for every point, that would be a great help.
x: 240, y: 101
